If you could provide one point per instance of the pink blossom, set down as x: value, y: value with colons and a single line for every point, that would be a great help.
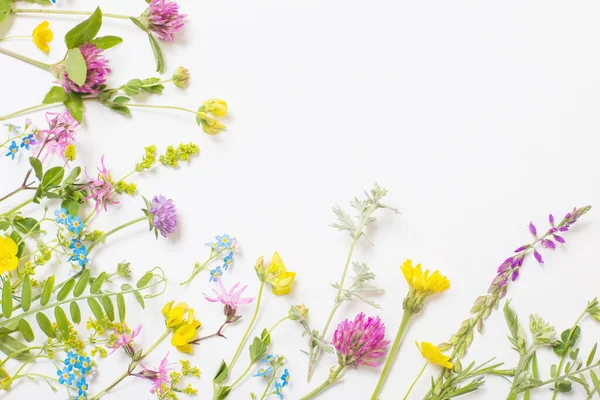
x: 230, y: 298
x: 60, y: 133
x: 159, y: 376
x: 361, y: 341
x: 101, y: 188
x: 163, y: 18
x: 97, y: 71
x: 124, y: 341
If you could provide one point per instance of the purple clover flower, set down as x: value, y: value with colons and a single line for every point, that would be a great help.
x: 97, y: 71
x: 361, y: 341
x: 163, y: 215
x: 163, y: 19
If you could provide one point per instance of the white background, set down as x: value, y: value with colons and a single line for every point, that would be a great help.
x: 478, y: 118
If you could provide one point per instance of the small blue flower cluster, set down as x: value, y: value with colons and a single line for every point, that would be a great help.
x: 275, y: 362
x: 26, y: 140
x: 74, y: 225
x: 74, y: 373
x: 222, y: 244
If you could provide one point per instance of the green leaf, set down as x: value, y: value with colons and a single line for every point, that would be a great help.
x: 26, y: 293
x: 56, y: 95
x: 75, y: 106
x: 563, y: 386
x: 591, y: 356
x: 26, y: 330
x: 139, y: 299
x: 71, y: 206
x: 5, y: 7
x: 64, y: 292
x: 85, y: 31
x: 47, y: 292
x: 72, y: 178
x: 7, y: 301
x: 26, y: 225
x: 534, y: 366
x: 75, y: 312
x: 76, y: 67
x: 36, y: 164
x: 223, y: 392
x: 10, y: 345
x: 106, y: 42
x: 98, y: 282
x: 53, y: 177
x: 61, y: 320
x: 4, y: 225
x: 258, y: 349
x: 221, y: 374
x: 139, y: 24
x: 14, y: 235
x: 121, y: 307
x: 118, y: 107
x: 158, y: 56
x: 145, y: 280
x: 82, y: 283
x: 595, y: 381
x: 45, y: 324
x: 96, y: 309
x: 109, y: 308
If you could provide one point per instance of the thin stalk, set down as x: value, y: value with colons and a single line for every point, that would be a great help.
x: 523, y: 363
x: 65, y: 12
x: 15, y: 37
x: 239, y: 379
x: 132, y: 366
x: 565, y: 376
x: 416, y: 380
x: 567, y: 350
x: 406, y: 316
x: 163, y: 107
x: 278, y: 323
x: 118, y: 228
x: 39, y: 64
x: 17, y: 208
x: 196, y: 271
x: 324, y: 385
x: 26, y: 110
x: 268, y: 386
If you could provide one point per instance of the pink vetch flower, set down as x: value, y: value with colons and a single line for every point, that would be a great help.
x: 97, y: 71
x: 60, y: 133
x: 101, y: 188
x: 124, y: 341
x: 163, y: 19
x: 360, y: 341
x: 230, y: 298
x: 163, y: 215
x: 159, y: 376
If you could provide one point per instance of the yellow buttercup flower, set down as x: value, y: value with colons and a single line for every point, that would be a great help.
x: 217, y: 107
x: 421, y: 284
x: 8, y: 254
x: 42, y: 35
x: 186, y: 333
x: 174, y: 315
x: 432, y: 354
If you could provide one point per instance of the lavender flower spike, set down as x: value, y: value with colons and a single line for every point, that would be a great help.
x: 163, y: 215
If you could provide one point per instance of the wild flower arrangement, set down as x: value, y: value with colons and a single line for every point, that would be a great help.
x: 42, y: 311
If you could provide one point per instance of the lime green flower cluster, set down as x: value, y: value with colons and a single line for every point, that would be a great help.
x: 71, y: 152
x: 170, y: 392
x: 124, y: 187
x: 148, y: 160
x: 183, y: 152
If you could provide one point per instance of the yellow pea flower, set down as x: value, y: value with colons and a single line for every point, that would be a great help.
x: 217, y: 107
x: 432, y: 354
x: 186, y: 333
x: 8, y: 254
x: 278, y: 277
x: 42, y: 35
x: 174, y: 315
x: 421, y: 284
x: 210, y: 125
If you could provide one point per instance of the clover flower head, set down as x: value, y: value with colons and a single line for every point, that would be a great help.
x: 163, y: 19
x: 360, y: 341
x: 97, y: 71
x: 232, y: 297
x: 101, y: 188
x: 163, y: 215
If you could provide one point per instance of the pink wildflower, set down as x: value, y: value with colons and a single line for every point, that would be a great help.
x: 101, y: 188
x: 230, y: 298
x: 97, y: 71
x: 163, y: 18
x: 60, y: 133
x: 124, y: 341
x: 361, y: 341
x: 159, y: 376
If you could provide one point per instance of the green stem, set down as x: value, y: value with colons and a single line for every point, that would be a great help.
x: 132, y: 366
x: 268, y: 386
x: 26, y: 110
x: 324, y: 385
x: 523, y: 362
x: 277, y: 323
x: 252, y: 321
x: 17, y: 208
x: 65, y: 12
x: 163, y: 107
x: 28, y: 60
x: 563, y: 377
x: 201, y: 267
x: 406, y: 316
x: 416, y: 380
x: 238, y: 380
x: 14, y: 37
x: 118, y: 228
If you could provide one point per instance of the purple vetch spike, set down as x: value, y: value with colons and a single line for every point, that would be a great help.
x: 551, y: 219
x: 563, y: 228
x: 559, y: 239
x: 538, y: 256
x: 532, y: 229
x: 549, y: 244
x: 520, y: 249
x: 515, y: 275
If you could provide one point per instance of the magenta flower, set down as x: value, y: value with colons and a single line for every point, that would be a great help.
x: 97, y: 71
x: 159, y: 376
x: 101, y: 188
x: 60, y: 133
x: 163, y: 19
x: 163, y: 215
x: 124, y: 341
x: 230, y: 298
x: 360, y: 341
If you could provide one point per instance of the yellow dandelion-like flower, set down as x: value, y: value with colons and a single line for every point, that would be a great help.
x: 422, y: 284
x: 433, y: 354
x: 42, y: 35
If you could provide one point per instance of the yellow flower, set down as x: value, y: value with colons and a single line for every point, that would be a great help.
x: 432, y: 354
x: 278, y: 277
x: 217, y: 107
x: 42, y: 35
x: 70, y: 152
x: 186, y: 333
x: 8, y: 254
x: 210, y: 125
x: 174, y: 315
x: 421, y: 284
